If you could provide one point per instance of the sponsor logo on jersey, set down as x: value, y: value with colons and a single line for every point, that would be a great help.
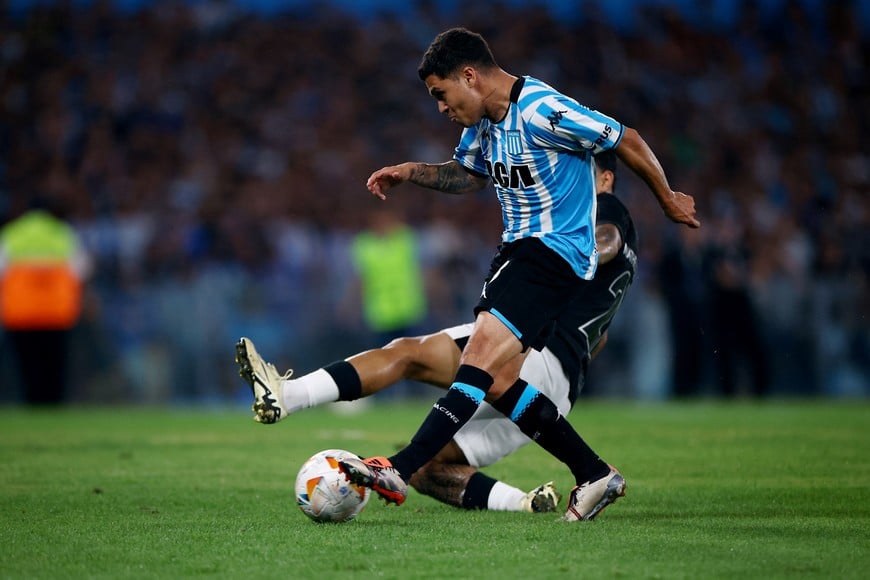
x: 512, y: 176
x: 555, y: 118
x: 605, y: 134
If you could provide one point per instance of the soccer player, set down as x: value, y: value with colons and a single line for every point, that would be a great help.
x: 559, y: 369
x: 535, y: 144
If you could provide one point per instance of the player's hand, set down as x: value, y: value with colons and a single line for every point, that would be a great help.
x: 383, y: 179
x: 681, y: 209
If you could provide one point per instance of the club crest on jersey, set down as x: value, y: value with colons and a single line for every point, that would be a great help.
x: 514, y: 143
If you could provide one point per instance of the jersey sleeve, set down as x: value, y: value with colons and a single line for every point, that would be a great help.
x: 560, y: 121
x: 469, y: 154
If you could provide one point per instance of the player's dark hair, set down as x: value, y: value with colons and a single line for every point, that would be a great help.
x: 453, y: 49
x: 607, y: 160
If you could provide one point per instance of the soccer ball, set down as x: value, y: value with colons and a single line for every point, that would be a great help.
x: 324, y: 494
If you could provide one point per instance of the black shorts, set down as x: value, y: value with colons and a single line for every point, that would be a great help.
x: 528, y: 286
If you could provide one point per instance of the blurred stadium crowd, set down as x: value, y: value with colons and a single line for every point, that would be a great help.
x: 214, y: 162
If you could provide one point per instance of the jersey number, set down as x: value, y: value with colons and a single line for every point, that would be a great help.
x: 595, y: 328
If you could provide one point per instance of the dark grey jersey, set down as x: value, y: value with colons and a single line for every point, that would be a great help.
x: 579, y: 328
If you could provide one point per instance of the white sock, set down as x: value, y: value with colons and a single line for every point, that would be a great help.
x: 504, y: 498
x: 308, y: 391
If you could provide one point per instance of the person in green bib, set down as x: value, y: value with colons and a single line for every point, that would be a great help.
x: 392, y: 288
x: 387, y: 261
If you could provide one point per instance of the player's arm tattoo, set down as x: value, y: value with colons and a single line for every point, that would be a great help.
x: 449, y: 177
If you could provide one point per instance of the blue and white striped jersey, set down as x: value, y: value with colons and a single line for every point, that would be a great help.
x: 540, y: 160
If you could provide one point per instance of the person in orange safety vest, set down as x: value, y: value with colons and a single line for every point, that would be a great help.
x: 42, y: 268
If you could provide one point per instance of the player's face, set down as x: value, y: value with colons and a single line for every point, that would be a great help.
x: 456, y: 98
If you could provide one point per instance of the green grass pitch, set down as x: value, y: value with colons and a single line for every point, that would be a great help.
x: 715, y: 490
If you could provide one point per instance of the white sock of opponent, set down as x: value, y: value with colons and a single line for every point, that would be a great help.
x: 308, y: 391
x: 505, y: 498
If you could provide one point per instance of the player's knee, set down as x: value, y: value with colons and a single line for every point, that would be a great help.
x: 401, y: 344
x: 404, y: 351
x: 407, y: 353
